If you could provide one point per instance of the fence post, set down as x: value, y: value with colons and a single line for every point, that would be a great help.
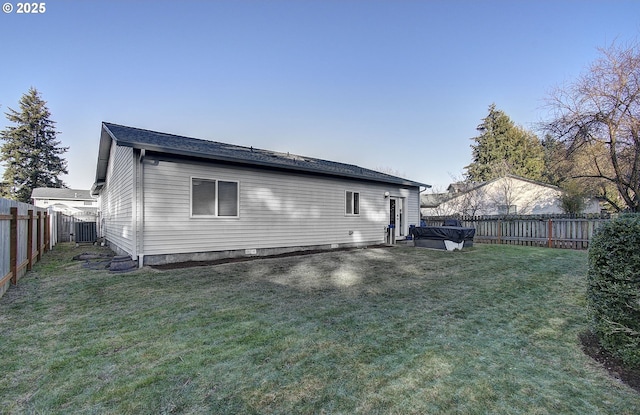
x: 47, y: 230
x: 13, y: 245
x: 39, y: 236
x: 549, y: 233
x: 30, y: 239
x: 499, y: 232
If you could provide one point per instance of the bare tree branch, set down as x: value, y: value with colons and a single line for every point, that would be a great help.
x: 598, y: 119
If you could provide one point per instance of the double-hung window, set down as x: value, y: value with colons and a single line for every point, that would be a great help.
x: 214, y: 198
x: 507, y: 209
x: 352, y: 203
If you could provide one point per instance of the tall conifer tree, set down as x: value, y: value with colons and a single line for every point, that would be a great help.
x: 31, y: 152
x: 504, y: 148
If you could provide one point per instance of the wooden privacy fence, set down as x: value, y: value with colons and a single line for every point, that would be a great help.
x: 25, y: 234
x: 552, y: 232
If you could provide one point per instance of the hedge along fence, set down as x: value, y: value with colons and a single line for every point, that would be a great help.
x: 613, y: 290
x: 25, y: 234
x: 558, y: 231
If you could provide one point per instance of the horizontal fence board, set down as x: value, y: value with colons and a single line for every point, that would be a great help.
x: 552, y: 231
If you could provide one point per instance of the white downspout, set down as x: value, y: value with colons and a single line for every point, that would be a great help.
x: 134, y: 206
x: 140, y: 213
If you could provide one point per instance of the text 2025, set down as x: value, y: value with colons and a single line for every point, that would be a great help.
x: 31, y: 8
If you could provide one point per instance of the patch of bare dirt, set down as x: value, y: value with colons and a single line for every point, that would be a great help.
x: 190, y: 264
x: 615, y: 367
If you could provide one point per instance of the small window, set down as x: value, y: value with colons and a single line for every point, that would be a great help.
x: 214, y: 198
x: 507, y: 210
x: 352, y: 205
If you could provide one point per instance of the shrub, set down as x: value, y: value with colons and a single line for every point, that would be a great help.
x: 614, y: 287
x: 573, y: 198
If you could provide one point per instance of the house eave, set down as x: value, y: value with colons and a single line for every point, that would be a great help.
x: 104, y: 149
x: 96, y: 188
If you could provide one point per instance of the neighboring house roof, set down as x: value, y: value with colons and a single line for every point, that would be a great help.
x: 60, y: 194
x: 211, y: 150
x: 524, y: 179
x: 475, y: 186
x: 61, y: 207
x: 460, y: 187
x: 431, y: 200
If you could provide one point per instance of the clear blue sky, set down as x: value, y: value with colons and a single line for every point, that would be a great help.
x: 400, y: 85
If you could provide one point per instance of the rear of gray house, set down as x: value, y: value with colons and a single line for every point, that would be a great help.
x: 165, y: 198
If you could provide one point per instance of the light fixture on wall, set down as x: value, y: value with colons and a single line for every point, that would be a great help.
x: 386, y: 194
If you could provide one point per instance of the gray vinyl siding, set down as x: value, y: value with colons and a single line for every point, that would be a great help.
x: 116, y: 199
x: 276, y: 209
x: 413, y: 208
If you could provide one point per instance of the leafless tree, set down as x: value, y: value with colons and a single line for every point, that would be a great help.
x: 467, y: 201
x: 598, y: 119
x: 473, y: 201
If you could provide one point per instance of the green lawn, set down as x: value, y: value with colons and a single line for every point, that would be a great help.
x: 390, y: 330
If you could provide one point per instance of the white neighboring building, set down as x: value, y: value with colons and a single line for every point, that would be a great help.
x: 510, y: 194
x: 71, y: 202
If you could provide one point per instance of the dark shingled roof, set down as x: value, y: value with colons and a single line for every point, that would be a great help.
x: 212, y: 150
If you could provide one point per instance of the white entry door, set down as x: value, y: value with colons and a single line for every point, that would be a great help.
x: 396, y: 215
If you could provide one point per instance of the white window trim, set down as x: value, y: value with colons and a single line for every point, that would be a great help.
x: 216, y: 216
x: 352, y: 203
x: 507, y: 209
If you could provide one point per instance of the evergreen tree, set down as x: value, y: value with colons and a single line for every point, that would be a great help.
x: 504, y: 148
x: 31, y: 152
